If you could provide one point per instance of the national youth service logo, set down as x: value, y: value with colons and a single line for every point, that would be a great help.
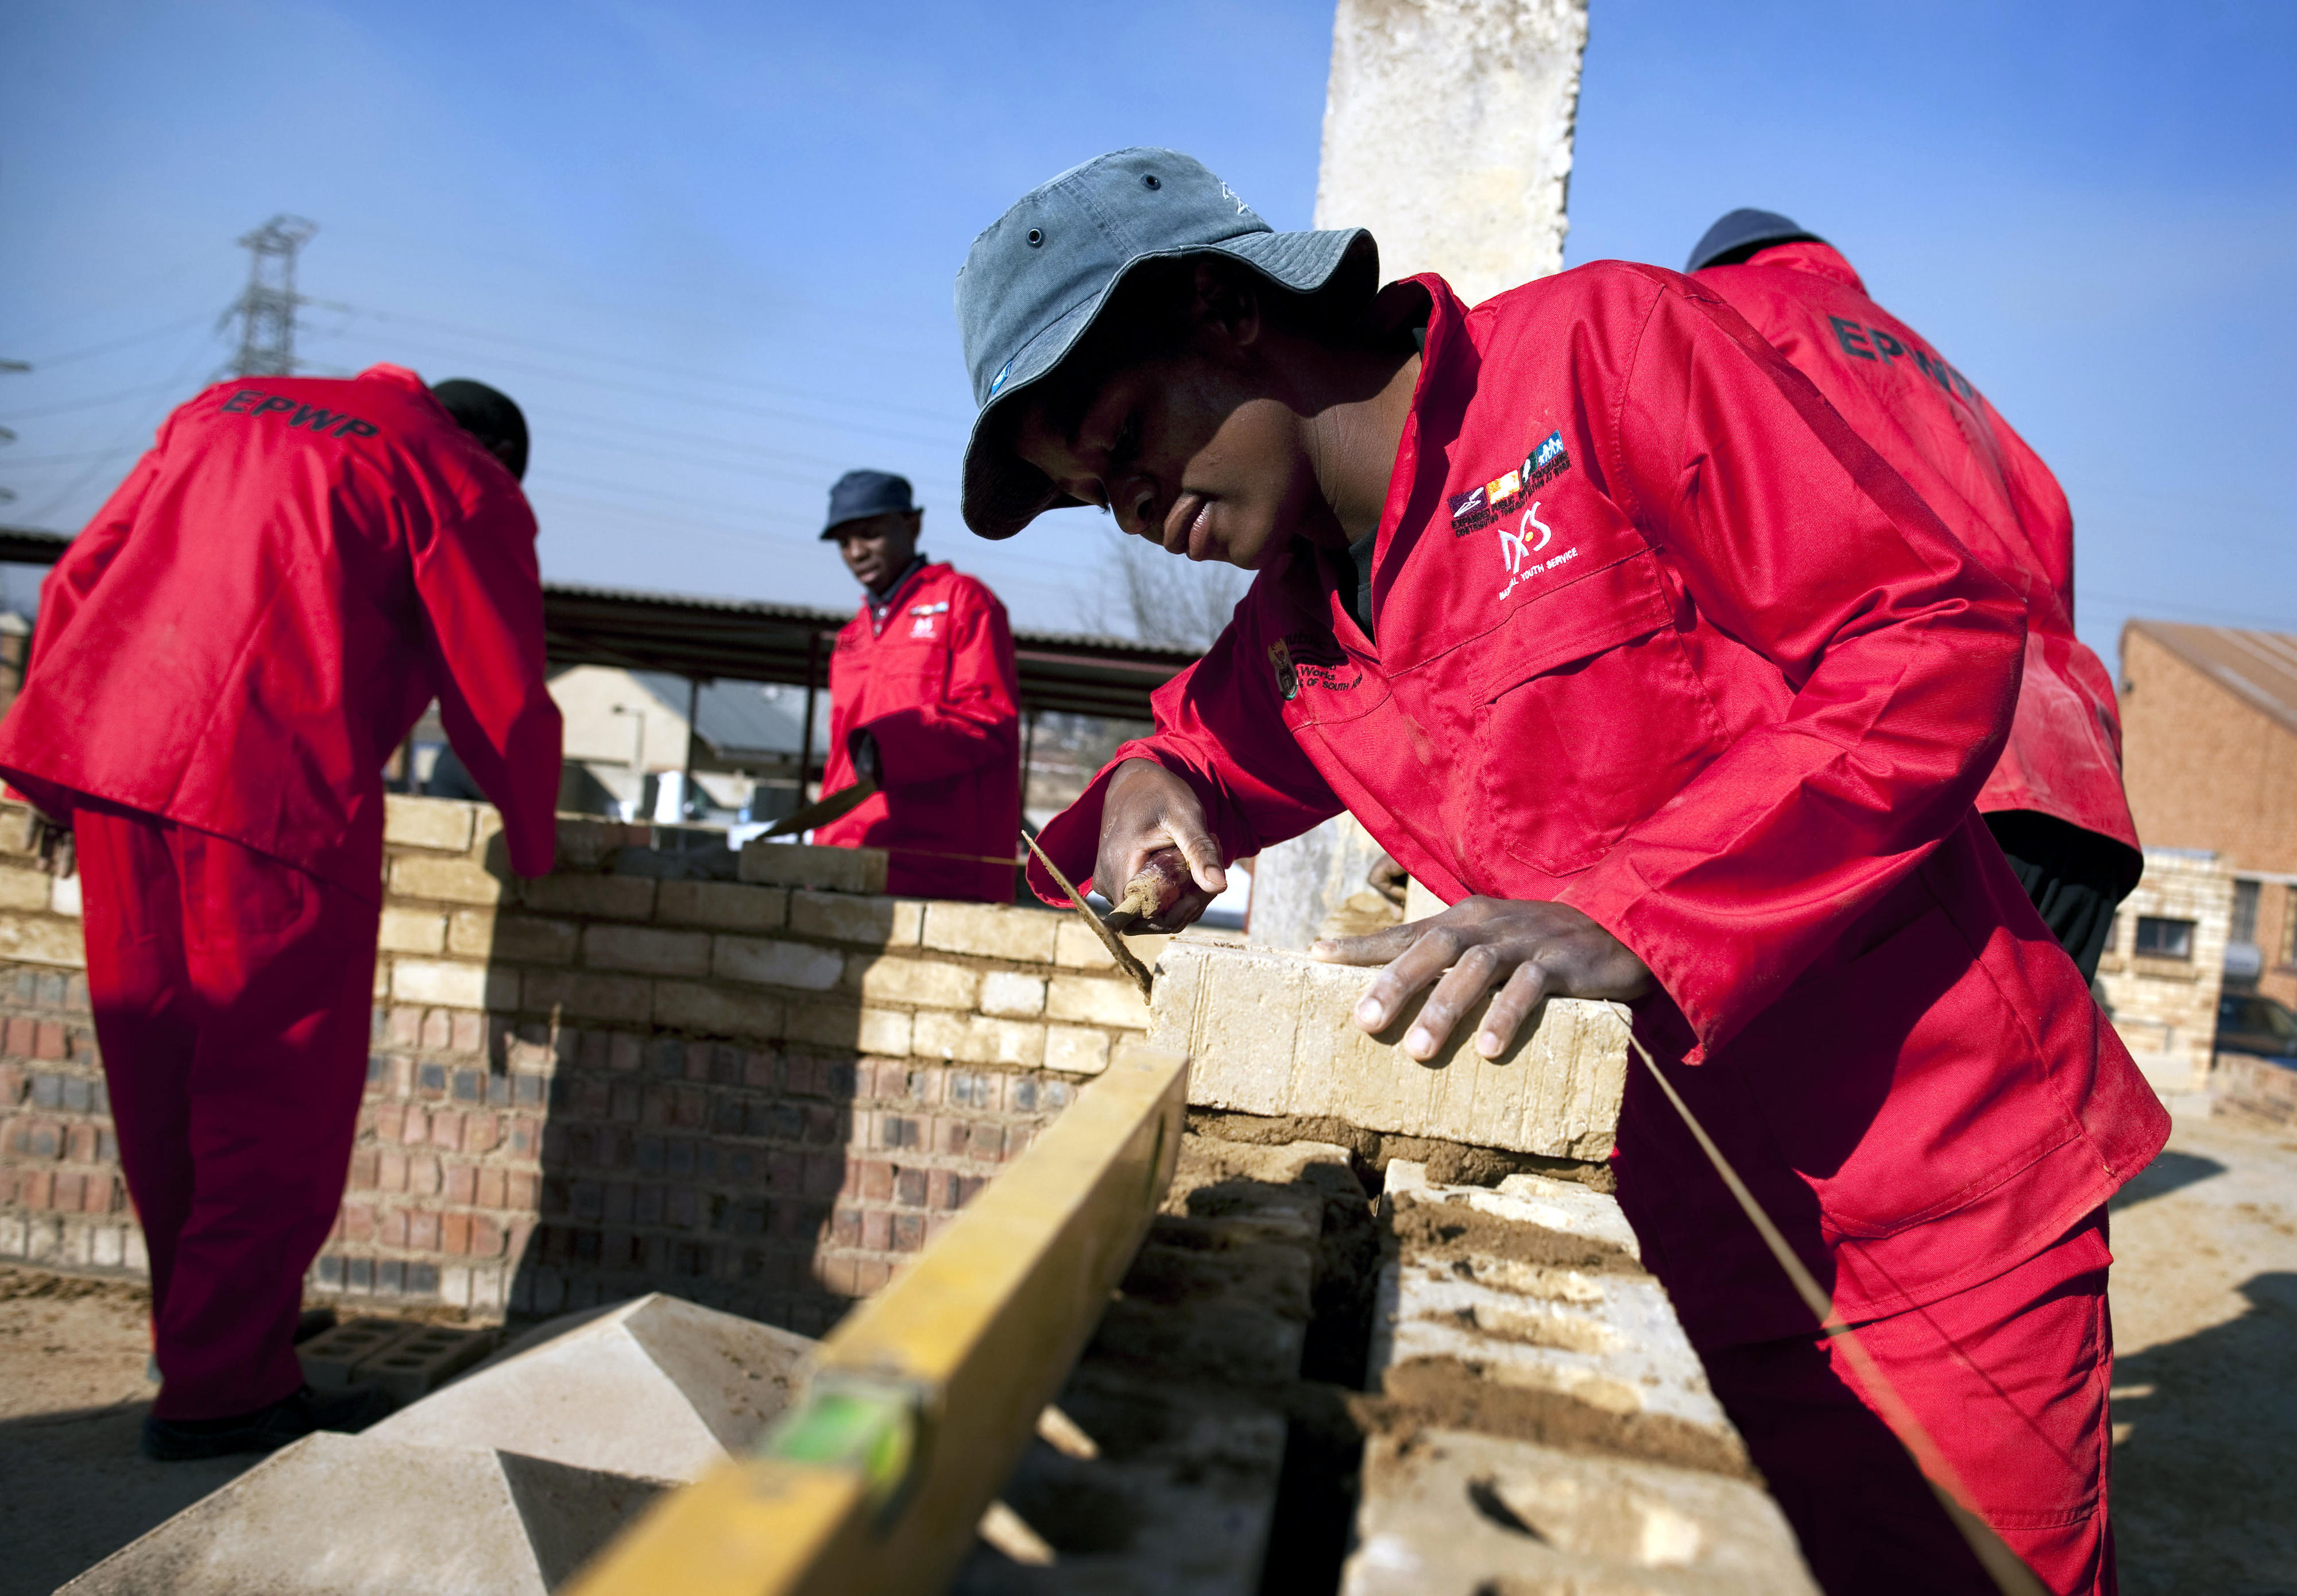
x: 1477, y: 507
x: 925, y: 618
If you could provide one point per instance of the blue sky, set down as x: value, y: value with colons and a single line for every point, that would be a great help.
x: 710, y: 247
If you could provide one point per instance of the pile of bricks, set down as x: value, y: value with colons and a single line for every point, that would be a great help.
x: 758, y: 1082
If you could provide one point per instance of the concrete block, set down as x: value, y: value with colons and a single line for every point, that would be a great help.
x: 1013, y: 995
x: 977, y: 1039
x: 723, y: 905
x: 991, y: 930
x: 870, y: 922
x: 1097, y: 1000
x: 440, y: 823
x: 445, y: 880
x: 718, y: 1010
x: 766, y: 962
x: 1272, y: 1032
x: 657, y: 1387
x: 1447, y: 1513
x: 422, y: 1362
x: 589, y: 995
x: 25, y: 890
x: 647, y: 950
x: 352, y: 1515
x: 607, y: 897
x: 331, y: 1359
x: 412, y: 931
x: 927, y: 982
x: 1075, y: 1048
x: 860, y: 870
x: 42, y: 938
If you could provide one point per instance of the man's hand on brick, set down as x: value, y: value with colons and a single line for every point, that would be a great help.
x: 1532, y: 951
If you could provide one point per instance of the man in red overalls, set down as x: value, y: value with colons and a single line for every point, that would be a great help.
x: 1607, y: 627
x: 225, y: 659
x: 2053, y: 800
x: 924, y: 700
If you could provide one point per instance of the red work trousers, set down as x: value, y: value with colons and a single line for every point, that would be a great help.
x: 2010, y: 1380
x: 232, y: 995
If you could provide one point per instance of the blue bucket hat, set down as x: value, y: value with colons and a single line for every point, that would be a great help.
x: 1035, y: 282
x: 1741, y: 233
x: 859, y: 494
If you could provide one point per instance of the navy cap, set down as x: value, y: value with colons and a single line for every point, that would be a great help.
x: 864, y: 493
x: 1033, y: 282
x: 1742, y: 231
x: 488, y: 414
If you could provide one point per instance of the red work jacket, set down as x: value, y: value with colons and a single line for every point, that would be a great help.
x: 257, y: 617
x: 1924, y: 417
x: 1659, y: 638
x: 929, y: 673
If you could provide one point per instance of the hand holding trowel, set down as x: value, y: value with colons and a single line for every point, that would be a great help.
x: 1160, y: 883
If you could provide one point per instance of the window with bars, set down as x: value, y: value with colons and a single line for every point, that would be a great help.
x: 2161, y: 938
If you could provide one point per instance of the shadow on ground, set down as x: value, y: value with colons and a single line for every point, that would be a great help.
x: 2168, y: 1171
x: 2200, y: 1506
x: 79, y: 1478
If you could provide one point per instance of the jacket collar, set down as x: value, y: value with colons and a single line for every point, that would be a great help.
x: 879, y: 608
x: 1809, y: 255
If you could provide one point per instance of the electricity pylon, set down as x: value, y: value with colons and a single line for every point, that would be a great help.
x: 266, y: 310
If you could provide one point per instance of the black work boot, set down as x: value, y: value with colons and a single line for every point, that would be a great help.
x: 266, y: 1429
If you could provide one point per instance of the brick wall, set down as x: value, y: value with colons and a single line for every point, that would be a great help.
x: 2166, y: 1010
x: 2203, y: 767
x: 760, y: 1084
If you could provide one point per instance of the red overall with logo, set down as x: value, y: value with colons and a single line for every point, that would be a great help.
x: 224, y: 660
x: 1922, y: 415
x: 1659, y: 637
x: 929, y: 673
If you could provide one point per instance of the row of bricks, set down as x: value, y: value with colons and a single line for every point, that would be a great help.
x: 429, y: 1230
x: 617, y: 1251
x: 30, y: 986
x: 24, y: 1036
x: 885, y: 1081
x: 688, y: 1209
x: 406, y: 1124
x: 386, y: 1277
x: 985, y: 1141
x: 544, y: 1289
x: 61, y: 1191
x: 81, y: 1143
x: 57, y: 1093
x: 467, y: 1185
x: 389, y: 1076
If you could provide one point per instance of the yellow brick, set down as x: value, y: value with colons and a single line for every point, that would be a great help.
x: 992, y: 930
x: 609, y: 897
x: 435, y: 981
x: 589, y: 995
x: 843, y: 917
x: 25, y: 889
x: 1013, y: 993
x: 439, y: 823
x: 443, y: 880
x: 927, y: 982
x: 42, y: 938
x: 645, y: 948
x: 412, y: 931
x: 976, y: 1039
x: 723, y: 905
x: 1096, y: 1002
x: 827, y: 869
x: 524, y: 939
x: 1077, y: 1050
x: 827, y: 1022
x: 716, y: 1010
x: 764, y: 961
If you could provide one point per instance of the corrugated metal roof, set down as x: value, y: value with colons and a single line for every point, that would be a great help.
x: 2259, y: 668
x: 738, y: 721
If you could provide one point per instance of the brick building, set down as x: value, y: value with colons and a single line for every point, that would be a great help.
x: 2209, y: 718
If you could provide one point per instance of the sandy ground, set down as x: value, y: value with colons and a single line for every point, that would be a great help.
x: 2205, y: 1390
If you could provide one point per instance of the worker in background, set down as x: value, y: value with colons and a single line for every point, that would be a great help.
x: 1611, y: 632
x: 2054, y: 799
x: 925, y: 702
x: 225, y: 659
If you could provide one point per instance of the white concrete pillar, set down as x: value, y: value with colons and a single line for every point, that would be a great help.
x: 1447, y: 132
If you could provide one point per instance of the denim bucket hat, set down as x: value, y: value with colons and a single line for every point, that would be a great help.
x: 1035, y: 282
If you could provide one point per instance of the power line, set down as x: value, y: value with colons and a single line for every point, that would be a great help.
x: 147, y: 336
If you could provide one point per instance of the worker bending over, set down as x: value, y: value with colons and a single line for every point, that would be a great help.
x: 1589, y: 607
x: 225, y: 659
x: 2053, y: 800
x: 923, y: 702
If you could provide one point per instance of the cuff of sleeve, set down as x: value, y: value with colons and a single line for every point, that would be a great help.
x: 1072, y: 838
x: 1611, y: 897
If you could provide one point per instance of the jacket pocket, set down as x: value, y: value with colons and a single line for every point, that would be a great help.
x: 1591, y: 719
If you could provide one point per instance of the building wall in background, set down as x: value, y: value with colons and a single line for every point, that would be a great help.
x: 2166, y: 1007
